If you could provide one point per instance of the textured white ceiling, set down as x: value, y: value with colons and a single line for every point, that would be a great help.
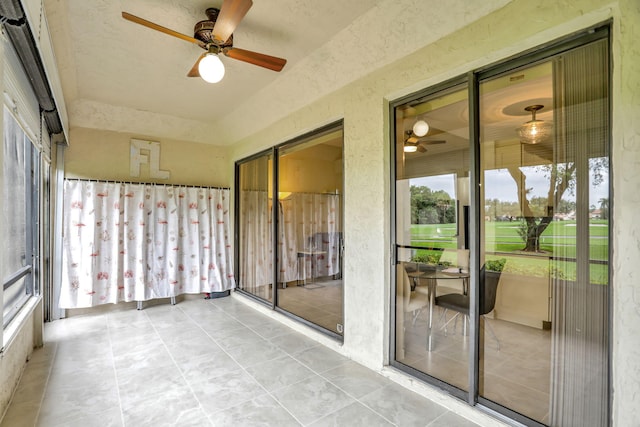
x: 117, y: 75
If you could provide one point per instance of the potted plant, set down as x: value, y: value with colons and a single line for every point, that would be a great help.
x: 495, y: 265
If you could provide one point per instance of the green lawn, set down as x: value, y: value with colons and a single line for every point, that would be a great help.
x: 501, y: 240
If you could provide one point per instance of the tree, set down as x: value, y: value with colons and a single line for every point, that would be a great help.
x: 561, y: 178
x: 431, y: 207
x: 604, y: 208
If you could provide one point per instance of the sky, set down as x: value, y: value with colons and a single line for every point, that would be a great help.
x: 500, y: 185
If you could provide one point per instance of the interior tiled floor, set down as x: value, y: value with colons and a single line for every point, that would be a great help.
x: 319, y: 302
x: 517, y: 375
x: 203, y: 362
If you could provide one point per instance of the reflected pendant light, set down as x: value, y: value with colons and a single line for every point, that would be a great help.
x: 535, y: 131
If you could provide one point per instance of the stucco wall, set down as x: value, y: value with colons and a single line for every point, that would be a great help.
x: 102, y: 154
x: 626, y: 205
x: 517, y: 27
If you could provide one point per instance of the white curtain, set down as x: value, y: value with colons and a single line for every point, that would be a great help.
x: 309, y: 238
x: 135, y: 242
x: 313, y: 234
x: 256, y: 267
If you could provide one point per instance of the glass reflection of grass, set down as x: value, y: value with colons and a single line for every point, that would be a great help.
x: 502, y: 239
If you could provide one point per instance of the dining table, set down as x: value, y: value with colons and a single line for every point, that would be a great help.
x: 431, y: 275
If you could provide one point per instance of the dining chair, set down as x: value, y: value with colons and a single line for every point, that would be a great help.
x: 459, y: 302
x: 411, y: 300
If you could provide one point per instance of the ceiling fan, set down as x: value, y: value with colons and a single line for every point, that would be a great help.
x: 215, y: 35
x: 413, y: 143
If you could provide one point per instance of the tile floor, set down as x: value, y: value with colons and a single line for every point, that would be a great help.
x: 203, y: 363
x: 517, y: 376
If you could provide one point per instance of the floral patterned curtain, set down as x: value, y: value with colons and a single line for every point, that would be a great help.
x: 312, y: 237
x: 135, y: 242
x: 256, y: 265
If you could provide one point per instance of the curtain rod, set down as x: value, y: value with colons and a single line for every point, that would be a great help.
x: 145, y: 183
x: 298, y: 192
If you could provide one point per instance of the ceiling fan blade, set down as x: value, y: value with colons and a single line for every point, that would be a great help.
x: 412, y: 139
x: 194, y: 72
x: 154, y: 26
x: 434, y: 142
x: 421, y: 149
x: 255, y: 58
x: 231, y: 13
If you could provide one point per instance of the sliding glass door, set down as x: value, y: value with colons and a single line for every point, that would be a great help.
x: 546, y: 192
x: 515, y: 318
x: 432, y: 197
x: 302, y: 190
x: 254, y: 225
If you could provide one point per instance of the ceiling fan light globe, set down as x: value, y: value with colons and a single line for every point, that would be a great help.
x: 420, y: 128
x: 211, y: 68
x: 408, y: 148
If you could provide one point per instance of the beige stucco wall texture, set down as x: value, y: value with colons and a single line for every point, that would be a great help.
x: 363, y: 104
x: 103, y: 154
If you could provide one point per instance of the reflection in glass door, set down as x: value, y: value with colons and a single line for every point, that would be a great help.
x: 544, y: 238
x: 508, y: 305
x: 302, y: 189
x: 255, y: 242
x: 310, y: 243
x: 432, y: 196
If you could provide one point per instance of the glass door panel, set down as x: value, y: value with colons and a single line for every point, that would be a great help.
x: 431, y: 230
x: 544, y: 238
x: 255, y: 227
x: 310, y: 262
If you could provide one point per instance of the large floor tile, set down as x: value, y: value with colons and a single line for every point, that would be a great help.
x: 279, y: 373
x: 320, y: 358
x: 312, y: 398
x: 206, y: 367
x: 109, y: 418
x: 259, y: 412
x: 294, y: 342
x: 402, y: 406
x: 355, y: 379
x: 60, y: 402
x: 141, y: 355
x: 165, y: 409
x: 203, y: 363
x: 227, y: 391
x: 138, y: 384
x: 449, y: 419
x: 254, y: 352
x: 353, y: 415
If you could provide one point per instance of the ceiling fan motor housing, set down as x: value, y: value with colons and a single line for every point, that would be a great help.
x: 203, y: 29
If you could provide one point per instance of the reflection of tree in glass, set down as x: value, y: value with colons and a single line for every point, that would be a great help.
x: 431, y: 207
x: 604, y: 208
x: 561, y: 178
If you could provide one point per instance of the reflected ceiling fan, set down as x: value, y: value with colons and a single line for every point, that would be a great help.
x: 413, y: 143
x: 215, y: 35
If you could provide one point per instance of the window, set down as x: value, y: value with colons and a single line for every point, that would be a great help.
x: 526, y: 331
x: 431, y: 183
x: 20, y: 217
x: 305, y: 242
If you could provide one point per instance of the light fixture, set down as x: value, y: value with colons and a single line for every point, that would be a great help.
x: 534, y: 131
x: 211, y: 68
x: 420, y: 128
x: 410, y: 148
